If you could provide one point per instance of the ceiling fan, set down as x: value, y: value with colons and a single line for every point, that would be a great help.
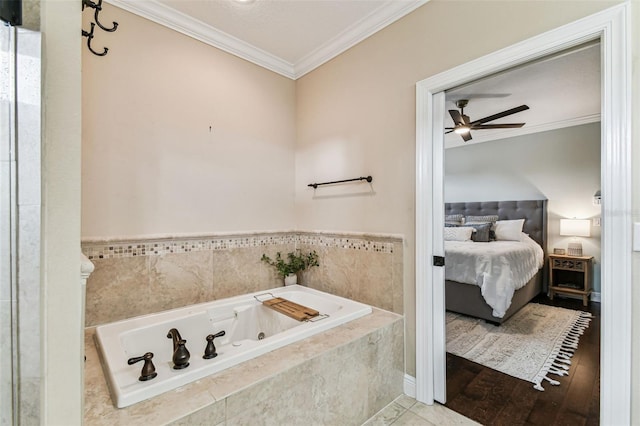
x: 463, y: 124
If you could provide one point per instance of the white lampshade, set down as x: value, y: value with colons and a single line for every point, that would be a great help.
x: 575, y: 227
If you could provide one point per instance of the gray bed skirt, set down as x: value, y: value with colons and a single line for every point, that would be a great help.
x: 467, y: 299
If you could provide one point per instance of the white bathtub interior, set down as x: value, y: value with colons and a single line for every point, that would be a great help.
x: 251, y: 329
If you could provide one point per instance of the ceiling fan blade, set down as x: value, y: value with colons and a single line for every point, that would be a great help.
x: 498, y: 126
x: 466, y: 136
x: 500, y: 114
x: 467, y: 120
x: 456, y: 117
x: 449, y: 131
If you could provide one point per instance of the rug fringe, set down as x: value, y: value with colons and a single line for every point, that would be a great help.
x: 560, y: 357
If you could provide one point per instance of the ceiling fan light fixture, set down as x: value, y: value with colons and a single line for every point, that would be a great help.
x: 462, y: 124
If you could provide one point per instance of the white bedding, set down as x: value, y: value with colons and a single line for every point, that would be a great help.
x: 498, y: 267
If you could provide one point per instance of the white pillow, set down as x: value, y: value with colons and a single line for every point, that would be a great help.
x: 509, y: 230
x: 462, y: 233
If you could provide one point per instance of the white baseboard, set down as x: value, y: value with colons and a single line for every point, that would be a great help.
x: 595, y: 297
x: 410, y: 386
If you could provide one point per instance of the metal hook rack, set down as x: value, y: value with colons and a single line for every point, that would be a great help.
x: 315, y: 185
x: 89, y: 34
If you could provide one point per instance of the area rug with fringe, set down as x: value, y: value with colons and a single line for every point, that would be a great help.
x: 537, y: 341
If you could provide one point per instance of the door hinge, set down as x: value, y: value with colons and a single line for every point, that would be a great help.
x: 438, y: 260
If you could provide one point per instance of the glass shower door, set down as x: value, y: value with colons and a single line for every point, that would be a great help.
x: 20, y: 225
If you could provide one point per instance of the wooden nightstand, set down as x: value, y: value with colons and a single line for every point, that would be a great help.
x: 570, y: 275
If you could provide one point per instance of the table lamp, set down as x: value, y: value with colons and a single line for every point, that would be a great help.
x: 575, y: 228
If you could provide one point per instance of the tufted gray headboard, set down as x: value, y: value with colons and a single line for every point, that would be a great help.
x: 533, y: 211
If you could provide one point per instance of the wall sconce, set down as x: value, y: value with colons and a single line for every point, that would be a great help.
x: 575, y: 228
x: 89, y: 34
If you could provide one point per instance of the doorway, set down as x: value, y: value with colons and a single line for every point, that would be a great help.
x: 555, y: 156
x: 609, y: 27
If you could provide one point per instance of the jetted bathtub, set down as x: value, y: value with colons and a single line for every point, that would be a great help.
x: 251, y: 329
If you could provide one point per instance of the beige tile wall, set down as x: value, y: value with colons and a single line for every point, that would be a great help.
x: 370, y: 273
x: 144, y: 276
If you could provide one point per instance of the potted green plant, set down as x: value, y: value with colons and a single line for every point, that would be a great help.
x: 289, y: 266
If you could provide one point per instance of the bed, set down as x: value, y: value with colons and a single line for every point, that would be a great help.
x: 467, y: 298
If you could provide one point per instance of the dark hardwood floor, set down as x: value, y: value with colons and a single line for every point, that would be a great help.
x: 493, y: 398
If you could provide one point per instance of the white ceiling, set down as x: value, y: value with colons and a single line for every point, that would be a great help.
x: 561, y: 91
x: 290, y: 37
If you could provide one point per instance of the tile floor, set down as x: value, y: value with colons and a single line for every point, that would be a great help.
x: 407, y: 411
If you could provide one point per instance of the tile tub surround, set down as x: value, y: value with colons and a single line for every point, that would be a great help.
x: 142, y: 276
x: 342, y: 376
x: 369, y: 274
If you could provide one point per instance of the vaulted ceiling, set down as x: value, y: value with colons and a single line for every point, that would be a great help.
x: 561, y: 90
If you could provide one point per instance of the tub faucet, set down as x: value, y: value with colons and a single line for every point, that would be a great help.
x: 174, y: 334
x: 180, y: 353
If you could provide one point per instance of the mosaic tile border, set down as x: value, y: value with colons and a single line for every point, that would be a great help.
x: 354, y: 243
x: 159, y: 247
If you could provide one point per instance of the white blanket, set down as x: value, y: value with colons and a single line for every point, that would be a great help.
x: 498, y: 267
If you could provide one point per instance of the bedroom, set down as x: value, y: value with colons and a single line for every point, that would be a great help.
x: 555, y: 157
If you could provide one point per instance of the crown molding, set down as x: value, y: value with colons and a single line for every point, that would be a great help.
x: 511, y: 133
x: 185, y: 24
x: 161, y: 14
x: 383, y: 16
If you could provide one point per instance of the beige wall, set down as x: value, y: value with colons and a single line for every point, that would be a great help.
x: 179, y: 137
x: 356, y: 114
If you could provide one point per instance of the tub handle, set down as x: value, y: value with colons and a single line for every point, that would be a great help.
x: 148, y: 369
x: 257, y: 297
x: 210, y: 350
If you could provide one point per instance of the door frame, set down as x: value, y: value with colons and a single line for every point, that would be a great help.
x: 612, y: 27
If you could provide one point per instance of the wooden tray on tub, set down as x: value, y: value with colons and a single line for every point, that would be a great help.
x: 290, y: 309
